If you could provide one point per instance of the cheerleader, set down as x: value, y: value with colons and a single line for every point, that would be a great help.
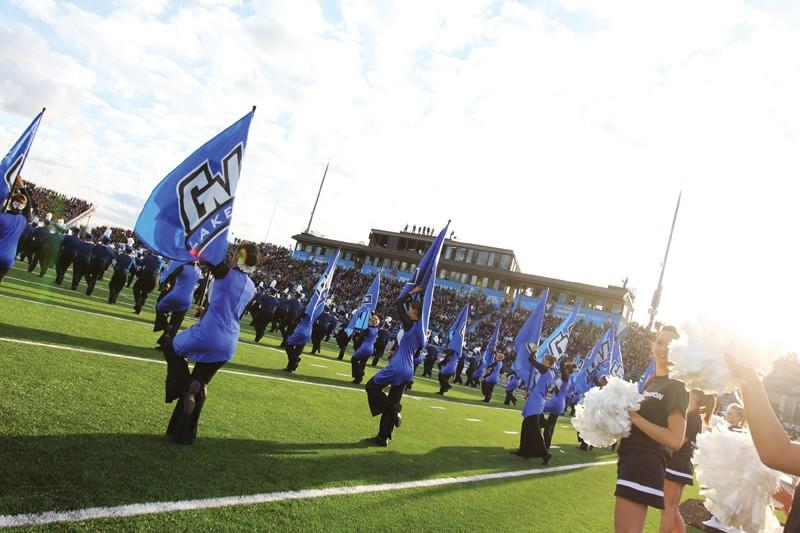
x: 679, y: 471
x: 210, y: 343
x: 531, y: 441
x: 557, y: 403
x: 657, y: 430
x: 775, y: 449
x: 400, y: 370
x: 359, y: 359
x: 491, y: 377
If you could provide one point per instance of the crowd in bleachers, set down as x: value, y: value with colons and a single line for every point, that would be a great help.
x: 58, y: 205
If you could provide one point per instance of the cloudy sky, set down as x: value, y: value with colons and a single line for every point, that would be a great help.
x: 563, y: 130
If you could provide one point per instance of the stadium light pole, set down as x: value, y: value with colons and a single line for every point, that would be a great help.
x: 657, y: 294
x: 308, y: 229
x: 269, y: 226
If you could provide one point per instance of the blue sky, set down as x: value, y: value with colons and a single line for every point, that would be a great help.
x: 563, y: 130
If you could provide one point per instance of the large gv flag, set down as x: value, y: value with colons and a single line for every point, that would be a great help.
x: 321, y: 290
x: 360, y: 318
x: 488, y: 353
x: 188, y: 214
x: 596, y: 362
x: 528, y: 338
x: 556, y: 343
x: 11, y: 165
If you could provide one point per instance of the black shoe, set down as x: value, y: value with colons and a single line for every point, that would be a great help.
x: 378, y: 441
x: 189, y: 400
x: 546, y: 458
x: 486, y: 400
x: 287, y: 369
x: 398, y: 420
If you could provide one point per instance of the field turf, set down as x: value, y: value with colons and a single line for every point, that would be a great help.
x: 82, y: 419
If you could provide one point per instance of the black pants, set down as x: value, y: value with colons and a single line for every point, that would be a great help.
x: 531, y: 442
x: 376, y: 357
x: 173, y: 320
x: 386, y: 405
x: 358, y: 367
x: 62, y: 265
x: 260, y: 323
x: 427, y: 367
x: 444, y: 383
x: 182, y: 427
x: 316, y: 341
x: 549, y: 429
x: 141, y: 289
x: 96, y: 270
x: 293, y: 353
x: 40, y: 256
x: 510, y: 398
x: 487, y: 389
x: 342, y: 348
x: 459, y: 370
x: 3, y: 272
x: 130, y: 278
x: 115, y: 285
x: 80, y: 269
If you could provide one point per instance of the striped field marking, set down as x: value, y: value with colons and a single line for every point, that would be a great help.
x: 139, y: 509
x: 472, y: 420
x: 151, y: 307
x: 511, y: 432
x: 248, y: 343
x: 437, y: 407
x: 318, y: 366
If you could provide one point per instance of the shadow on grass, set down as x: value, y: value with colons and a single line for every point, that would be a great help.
x: 53, y: 337
x: 60, y: 472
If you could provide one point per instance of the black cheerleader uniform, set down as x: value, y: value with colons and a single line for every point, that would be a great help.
x: 680, y: 469
x: 642, y: 461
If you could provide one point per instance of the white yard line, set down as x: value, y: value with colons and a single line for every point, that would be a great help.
x: 472, y: 420
x: 138, y: 509
x: 245, y: 342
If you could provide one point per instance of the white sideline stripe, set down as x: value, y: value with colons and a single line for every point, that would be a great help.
x: 680, y: 474
x: 318, y: 366
x: 138, y: 509
x: 437, y: 407
x: 248, y: 343
x: 151, y: 307
x: 472, y: 420
x: 343, y: 375
x: 641, y: 488
x: 513, y: 433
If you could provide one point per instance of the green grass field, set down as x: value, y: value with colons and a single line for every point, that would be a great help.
x: 82, y: 419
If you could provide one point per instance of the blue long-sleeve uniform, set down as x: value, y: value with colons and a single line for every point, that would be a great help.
x: 534, y: 405
x: 179, y: 298
x: 367, y: 345
x: 401, y: 366
x: 11, y: 228
x: 494, y: 375
x: 213, y: 339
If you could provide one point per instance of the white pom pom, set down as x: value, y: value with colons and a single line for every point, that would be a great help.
x: 602, y: 417
x: 737, y: 487
x: 699, y: 356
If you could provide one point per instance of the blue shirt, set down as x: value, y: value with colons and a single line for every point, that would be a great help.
x: 124, y: 263
x: 179, y: 298
x: 68, y: 245
x: 102, y: 254
x: 401, y: 366
x: 302, y: 333
x: 512, y: 384
x: 11, y: 227
x: 83, y: 251
x: 151, y: 264
x: 534, y: 405
x: 450, y: 368
x: 367, y: 346
x: 213, y: 339
x: 558, y: 401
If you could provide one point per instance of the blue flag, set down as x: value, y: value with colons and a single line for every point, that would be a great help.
x: 459, y: 332
x: 188, y: 214
x: 596, y: 362
x: 648, y: 373
x: 426, y: 270
x: 528, y: 338
x: 488, y: 353
x: 425, y: 277
x: 616, y: 368
x: 321, y: 290
x: 360, y: 318
x: 12, y: 163
x: 556, y: 343
x: 171, y: 267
